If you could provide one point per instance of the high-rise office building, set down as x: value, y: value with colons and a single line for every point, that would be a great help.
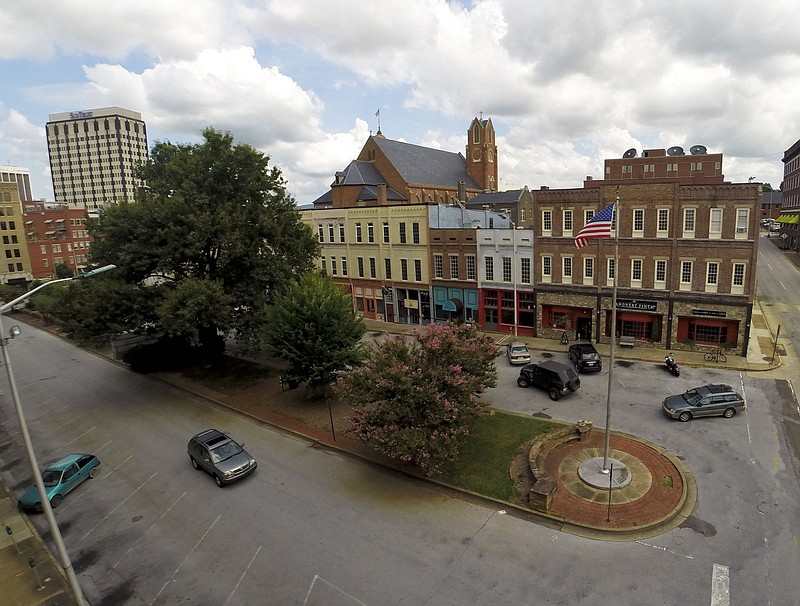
x: 93, y: 155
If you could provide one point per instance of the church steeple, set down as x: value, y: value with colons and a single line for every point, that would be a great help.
x: 482, y: 153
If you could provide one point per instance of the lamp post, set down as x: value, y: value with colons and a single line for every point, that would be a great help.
x: 69, y: 571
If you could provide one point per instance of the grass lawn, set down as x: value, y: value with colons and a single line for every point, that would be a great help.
x: 482, y: 465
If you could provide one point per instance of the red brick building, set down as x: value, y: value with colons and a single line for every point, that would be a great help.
x: 55, y: 233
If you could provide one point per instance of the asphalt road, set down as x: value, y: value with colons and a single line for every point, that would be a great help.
x: 315, y: 527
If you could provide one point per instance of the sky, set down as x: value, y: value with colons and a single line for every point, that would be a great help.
x: 567, y: 84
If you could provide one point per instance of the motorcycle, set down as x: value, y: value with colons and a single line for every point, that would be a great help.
x: 672, y: 366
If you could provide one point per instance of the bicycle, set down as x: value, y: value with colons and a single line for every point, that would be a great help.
x: 716, y: 356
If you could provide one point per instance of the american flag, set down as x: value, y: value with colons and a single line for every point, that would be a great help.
x: 598, y: 226
x: 378, y: 113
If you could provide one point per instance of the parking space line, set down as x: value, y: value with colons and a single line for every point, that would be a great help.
x: 720, y: 590
x: 191, y: 551
x: 235, y: 587
x: 83, y: 434
x: 110, y: 513
x: 136, y: 542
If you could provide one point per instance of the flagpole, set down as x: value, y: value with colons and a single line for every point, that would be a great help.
x: 615, y: 224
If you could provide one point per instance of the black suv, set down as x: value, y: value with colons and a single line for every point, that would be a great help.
x: 585, y: 357
x: 557, y: 378
x: 219, y: 455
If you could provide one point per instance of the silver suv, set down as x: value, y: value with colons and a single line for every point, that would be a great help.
x: 220, y: 455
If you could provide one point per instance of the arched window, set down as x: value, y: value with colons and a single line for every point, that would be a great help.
x: 476, y: 134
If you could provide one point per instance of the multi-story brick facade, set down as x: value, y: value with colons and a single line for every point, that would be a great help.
x: 55, y: 233
x: 789, y: 219
x: 683, y: 258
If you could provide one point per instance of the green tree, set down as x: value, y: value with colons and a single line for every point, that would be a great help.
x: 413, y: 400
x: 62, y: 270
x: 215, y: 223
x: 311, y: 325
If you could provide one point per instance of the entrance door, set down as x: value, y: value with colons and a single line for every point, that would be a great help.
x: 583, y: 329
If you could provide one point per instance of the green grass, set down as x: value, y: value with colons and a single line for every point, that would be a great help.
x: 482, y: 465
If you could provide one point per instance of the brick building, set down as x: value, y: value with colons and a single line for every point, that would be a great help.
x: 789, y: 219
x: 55, y: 233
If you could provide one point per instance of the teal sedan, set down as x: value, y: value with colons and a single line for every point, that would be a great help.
x: 60, y: 478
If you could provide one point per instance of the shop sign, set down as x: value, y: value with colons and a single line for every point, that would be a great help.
x: 637, y: 305
x: 411, y: 304
x: 709, y: 313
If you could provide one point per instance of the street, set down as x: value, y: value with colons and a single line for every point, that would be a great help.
x: 317, y: 527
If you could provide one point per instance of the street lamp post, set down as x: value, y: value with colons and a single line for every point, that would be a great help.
x: 69, y: 571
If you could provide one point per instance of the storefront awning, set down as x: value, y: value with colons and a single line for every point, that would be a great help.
x: 453, y: 305
x: 793, y: 219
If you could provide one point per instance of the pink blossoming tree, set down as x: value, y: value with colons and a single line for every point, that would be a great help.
x: 412, y: 400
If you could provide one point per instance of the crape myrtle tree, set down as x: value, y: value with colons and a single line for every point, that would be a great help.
x: 212, y: 234
x: 413, y: 399
x: 311, y: 325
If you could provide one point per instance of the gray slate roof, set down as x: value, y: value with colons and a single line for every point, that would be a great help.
x: 497, y: 197
x: 425, y: 166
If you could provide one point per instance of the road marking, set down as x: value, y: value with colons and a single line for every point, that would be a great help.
x: 332, y: 586
x: 664, y: 549
x: 253, y: 559
x: 193, y: 549
x: 136, y: 542
x: 108, y: 515
x: 720, y: 591
x: 83, y: 434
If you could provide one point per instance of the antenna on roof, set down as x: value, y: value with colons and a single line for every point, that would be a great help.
x: 481, y: 115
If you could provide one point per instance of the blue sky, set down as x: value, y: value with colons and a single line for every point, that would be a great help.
x: 567, y: 84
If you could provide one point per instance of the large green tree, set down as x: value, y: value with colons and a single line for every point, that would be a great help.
x: 311, y: 325
x: 212, y: 234
x: 413, y: 400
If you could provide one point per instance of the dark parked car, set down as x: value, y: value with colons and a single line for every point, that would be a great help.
x: 585, y: 357
x: 220, y: 455
x: 706, y: 401
x: 60, y: 478
x: 557, y: 378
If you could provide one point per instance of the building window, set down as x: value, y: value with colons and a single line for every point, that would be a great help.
x: 415, y: 232
x: 686, y: 275
x: 611, y: 271
x: 344, y: 266
x: 525, y: 270
x: 638, y: 222
x: 663, y: 223
x: 506, y: 269
x: 387, y: 268
x: 437, y: 266
x: 567, y: 222
x: 404, y: 269
x: 587, y: 216
x: 320, y: 232
x: 547, y: 222
x: 417, y: 270
x: 547, y: 268
x: 689, y: 215
x: 737, y: 285
x: 566, y: 267
x: 385, y: 232
x: 333, y: 265
x: 454, y: 267
x: 712, y: 276
x: 341, y: 233
x: 330, y: 232
x: 373, y: 272
x: 588, y: 268
x: 323, y: 266
x: 742, y: 219
x: 403, y: 233
x: 636, y: 272
x: 360, y: 265
x: 489, y: 267
x: 715, y: 224
x: 470, y: 261
x: 661, y: 273
x: 370, y: 233
x: 358, y: 233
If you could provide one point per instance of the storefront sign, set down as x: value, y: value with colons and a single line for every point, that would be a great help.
x: 637, y: 305
x: 709, y: 313
x: 411, y: 304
